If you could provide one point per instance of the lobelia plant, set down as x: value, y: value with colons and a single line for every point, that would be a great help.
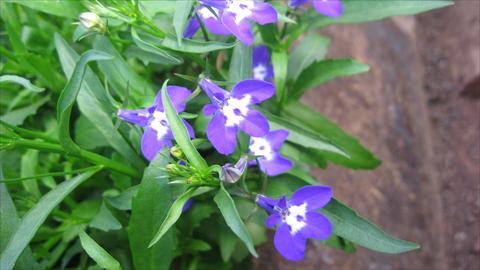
x: 101, y: 170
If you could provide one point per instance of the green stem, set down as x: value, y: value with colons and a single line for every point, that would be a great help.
x: 71, y: 172
x: 204, y: 31
x: 81, y: 153
x: 29, y: 133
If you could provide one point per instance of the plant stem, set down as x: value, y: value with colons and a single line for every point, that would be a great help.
x: 202, y: 26
x: 20, y: 179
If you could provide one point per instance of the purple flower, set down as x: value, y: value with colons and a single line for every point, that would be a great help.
x: 331, y: 8
x: 297, y: 219
x: 261, y: 65
x: 157, y: 133
x: 232, y: 110
x: 234, y: 17
x: 267, y: 149
x: 187, y: 205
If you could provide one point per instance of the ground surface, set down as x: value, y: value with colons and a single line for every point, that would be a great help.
x: 418, y: 109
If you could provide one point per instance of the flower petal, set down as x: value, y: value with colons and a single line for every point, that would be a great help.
x: 273, y: 220
x: 215, y: 3
x: 318, y: 226
x: 275, y: 166
x: 137, y: 117
x: 292, y: 247
x: 223, y: 138
x: 264, y: 13
x: 151, y: 145
x: 254, y: 124
x: 276, y: 138
x: 260, y: 55
x: 216, y: 94
x: 190, y: 130
x: 315, y: 196
x: 192, y: 27
x: 296, y: 3
x: 331, y: 8
x: 242, y: 30
x: 209, y: 109
x: 266, y: 202
x: 211, y: 22
x: 258, y: 90
x: 178, y: 95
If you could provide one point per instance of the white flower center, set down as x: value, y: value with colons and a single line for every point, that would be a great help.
x: 241, y: 9
x: 295, y: 217
x: 260, y: 72
x: 235, y: 110
x: 206, y: 13
x: 261, y: 147
x: 160, y: 124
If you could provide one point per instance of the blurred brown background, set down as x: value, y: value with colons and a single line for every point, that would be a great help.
x: 418, y: 109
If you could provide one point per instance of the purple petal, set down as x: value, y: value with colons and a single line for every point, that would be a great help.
x: 282, y: 203
x: 317, y: 226
x: 178, y: 95
x: 190, y: 130
x: 266, y: 203
x: 254, y: 124
x: 216, y: 94
x: 151, y: 145
x: 276, y: 138
x: 315, y: 196
x: 137, y: 117
x: 260, y: 55
x: 223, y: 138
x: 220, y: 4
x: 211, y: 22
x: 264, y: 13
x: 209, y: 109
x: 187, y: 205
x: 275, y: 166
x: 273, y: 220
x: 332, y: 8
x: 292, y: 247
x: 242, y: 30
x: 192, y: 28
x: 258, y: 90
x: 296, y: 3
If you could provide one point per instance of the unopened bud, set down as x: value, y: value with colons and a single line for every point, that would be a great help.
x: 232, y: 173
x: 170, y: 168
x: 92, y: 22
x: 176, y: 152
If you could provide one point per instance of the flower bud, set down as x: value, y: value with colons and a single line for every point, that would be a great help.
x: 176, y: 152
x: 232, y: 173
x: 92, y: 22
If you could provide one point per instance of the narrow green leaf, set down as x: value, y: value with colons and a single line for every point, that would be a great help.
x: 241, y: 64
x: 232, y: 218
x: 349, y: 225
x: 358, y: 156
x: 63, y: 8
x: 180, y: 18
x: 22, y: 81
x: 313, y: 48
x: 28, y: 165
x: 34, y: 218
x: 172, y: 216
x: 355, y: 11
x: 97, y: 253
x: 69, y: 95
x: 18, y: 116
x: 149, y: 208
x: 280, y: 65
x: 167, y: 57
x: 180, y: 132
x: 323, y: 71
x: 104, y: 220
x: 306, y: 138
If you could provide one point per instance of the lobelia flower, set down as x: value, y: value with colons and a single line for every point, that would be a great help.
x: 267, y: 149
x: 232, y: 173
x: 261, y: 65
x: 232, y: 110
x: 234, y: 16
x: 157, y: 133
x: 297, y: 219
x: 331, y: 8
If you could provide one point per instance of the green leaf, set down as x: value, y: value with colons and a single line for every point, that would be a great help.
x: 172, y: 216
x: 69, y: 95
x: 34, y: 218
x: 349, y: 225
x: 97, y: 253
x: 18, y: 116
x: 323, y: 71
x: 241, y: 64
x: 280, y: 65
x: 180, y: 18
x: 104, y: 220
x: 149, y: 208
x: 63, y: 8
x: 28, y: 165
x: 355, y: 11
x: 304, y: 137
x: 87, y: 135
x: 95, y: 105
x: 180, y: 132
x: 166, y: 57
x: 358, y: 156
x: 313, y: 48
x: 22, y: 81
x: 232, y: 218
